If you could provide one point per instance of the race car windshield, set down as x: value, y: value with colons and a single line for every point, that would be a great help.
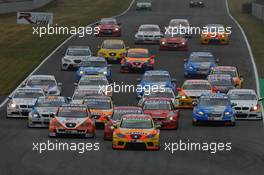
x: 173, y: 35
x: 202, y: 59
x: 149, y: 29
x: 50, y: 103
x: 197, y: 87
x: 93, y: 82
x: 243, y: 97
x: 119, y: 113
x: 27, y: 95
x: 113, y: 46
x: 137, y: 55
x: 160, y: 95
x: 39, y: 82
x: 136, y: 124
x: 179, y: 23
x: 157, y: 105
x: 215, y: 28
x: 213, y: 102
x: 232, y: 73
x: 98, y: 104
x: 80, y: 96
x: 93, y: 64
x: 156, y: 78
x: 108, y: 22
x: 78, y: 52
x: 221, y: 82
x: 72, y: 113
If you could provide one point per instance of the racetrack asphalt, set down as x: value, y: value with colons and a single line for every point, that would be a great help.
x: 246, y: 156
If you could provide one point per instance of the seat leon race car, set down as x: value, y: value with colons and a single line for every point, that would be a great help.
x: 136, y: 131
x: 109, y: 27
x: 148, y: 34
x: 247, y: 104
x: 118, y: 113
x: 179, y: 27
x: 214, y: 107
x: 214, y: 34
x: 173, y: 42
x: 221, y: 82
x: 143, y: 4
x: 72, y: 120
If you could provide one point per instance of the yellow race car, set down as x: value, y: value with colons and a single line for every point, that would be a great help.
x: 112, y: 49
x: 214, y: 34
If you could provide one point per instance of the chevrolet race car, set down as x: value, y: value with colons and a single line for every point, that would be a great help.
x: 94, y: 66
x: 47, y: 83
x: 214, y: 34
x: 137, y: 59
x: 191, y: 90
x: 221, y: 82
x: 238, y: 79
x: 119, y: 111
x: 101, y: 108
x: 43, y: 109
x: 197, y: 3
x: 22, y: 101
x: 214, y: 107
x: 173, y: 42
x: 148, y: 34
x: 162, y: 112
x: 144, y: 5
x: 199, y: 64
x: 112, y: 49
x: 80, y: 94
x: 74, y: 56
x: 248, y: 105
x: 179, y: 27
x: 136, y: 131
x: 109, y: 27
x: 72, y: 120
x: 158, y: 79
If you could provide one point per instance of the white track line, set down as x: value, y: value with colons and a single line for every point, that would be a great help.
x: 250, y: 53
x: 48, y: 57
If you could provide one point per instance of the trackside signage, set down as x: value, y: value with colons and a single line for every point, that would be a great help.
x: 35, y: 18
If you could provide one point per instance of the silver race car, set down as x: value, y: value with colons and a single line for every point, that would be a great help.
x: 144, y: 5
x: 180, y: 27
x: 80, y: 94
x: 246, y: 104
x: 46, y: 82
x: 148, y: 34
x: 45, y: 107
x: 22, y: 102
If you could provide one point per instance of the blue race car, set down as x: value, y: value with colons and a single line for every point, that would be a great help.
x: 94, y: 66
x: 155, y: 79
x: 199, y: 64
x: 214, y: 107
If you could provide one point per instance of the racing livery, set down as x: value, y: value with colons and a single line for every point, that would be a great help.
x: 109, y: 27
x: 173, y: 42
x: 214, y: 34
x: 144, y: 5
x: 136, y: 131
x: 148, y: 34
x: 221, y: 82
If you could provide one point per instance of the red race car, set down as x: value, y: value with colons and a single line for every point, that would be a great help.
x: 162, y: 111
x: 119, y: 111
x: 173, y: 42
x: 109, y: 27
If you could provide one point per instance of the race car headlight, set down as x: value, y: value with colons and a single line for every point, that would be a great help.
x: 183, y: 43
x: 163, y: 42
x: 200, y: 113
x: 81, y: 72
x: 227, y: 113
x: 13, y: 105
x: 116, y: 29
x: 183, y: 97
x: 171, y: 118
x: 255, y: 108
x: 66, y: 60
x: 190, y: 67
x: 150, y: 136
x: 36, y: 115
x: 120, y: 135
x: 105, y: 72
x: 200, y: 2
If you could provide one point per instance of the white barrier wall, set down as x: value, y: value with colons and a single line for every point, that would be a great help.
x: 258, y: 10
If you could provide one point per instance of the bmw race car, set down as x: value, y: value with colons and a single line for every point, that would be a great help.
x: 247, y: 104
x: 221, y: 82
x: 144, y: 5
x: 94, y: 66
x: 47, y: 83
x: 192, y: 90
x: 80, y: 94
x: 148, y: 34
x: 179, y: 27
x: 214, y: 107
x: 214, y: 34
x: 158, y: 79
x: 22, y: 101
x: 136, y: 131
x: 112, y: 49
x: 101, y: 108
x: 118, y: 113
x: 197, y: 3
x: 43, y: 109
x: 109, y: 27
x: 199, y: 64
x: 162, y: 112
x: 72, y: 120
x: 231, y: 70
x: 74, y: 56
x: 137, y: 59
x: 173, y: 42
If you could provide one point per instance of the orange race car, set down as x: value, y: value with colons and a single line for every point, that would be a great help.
x: 136, y: 131
x: 137, y: 59
x: 214, y: 34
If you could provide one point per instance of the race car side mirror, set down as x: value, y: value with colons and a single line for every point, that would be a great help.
x: 157, y: 126
x: 174, y: 80
x: 194, y: 103
x: 69, y: 98
x: 233, y: 104
x: 127, y: 48
x: 59, y: 84
x: 109, y: 65
x: 178, y: 89
x: 261, y: 99
x: 9, y: 97
x: 185, y: 60
x: 217, y: 60
x: 140, y: 103
x: 75, y: 84
x: 52, y: 115
x: 138, y: 79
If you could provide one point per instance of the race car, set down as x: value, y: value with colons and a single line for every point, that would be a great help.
x: 72, y: 120
x: 137, y: 59
x: 80, y: 94
x: 155, y: 79
x: 162, y: 112
x: 148, y: 34
x: 136, y: 131
x: 173, y: 42
x: 214, y: 107
x: 43, y: 108
x: 247, y: 104
x: 192, y: 90
x: 179, y: 27
x: 197, y: 3
x: 74, y: 56
x: 98, y: 83
x: 214, y: 34
x: 22, y: 101
x: 47, y: 83
x: 221, y: 82
x: 144, y: 5
x: 231, y: 70
x: 112, y: 49
x: 119, y: 111
x: 94, y: 66
x: 101, y: 108
x: 199, y: 64
x: 109, y: 27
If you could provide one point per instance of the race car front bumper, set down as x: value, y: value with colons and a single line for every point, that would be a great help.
x: 61, y: 132
x: 148, y: 144
x: 109, y: 32
x: 172, y: 46
x: 250, y: 115
x: 151, y: 40
x: 129, y: 67
x: 68, y: 64
x: 229, y: 119
x: 39, y: 122
x: 18, y: 112
x: 207, y: 40
x: 166, y: 124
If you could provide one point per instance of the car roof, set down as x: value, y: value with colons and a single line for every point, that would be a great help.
x: 138, y: 50
x: 113, y: 41
x: 242, y: 91
x: 41, y: 77
x: 214, y: 25
x: 149, y: 25
x: 194, y: 81
x: 51, y: 97
x: 158, y: 99
x: 95, y: 59
x: 99, y: 98
x: 214, y: 95
x: 219, y: 77
x: 157, y: 72
x: 108, y: 19
x: 93, y: 77
x: 200, y: 54
x: 179, y: 20
x: 25, y: 89
x: 225, y: 68
x: 127, y: 108
x: 136, y: 116
x: 79, y: 47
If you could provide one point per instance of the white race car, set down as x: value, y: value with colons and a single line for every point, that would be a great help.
x: 180, y: 27
x: 47, y: 83
x: 144, y: 5
x: 246, y: 104
x: 148, y: 34
x: 22, y: 102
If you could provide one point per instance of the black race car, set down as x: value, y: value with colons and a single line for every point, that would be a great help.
x: 197, y: 3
